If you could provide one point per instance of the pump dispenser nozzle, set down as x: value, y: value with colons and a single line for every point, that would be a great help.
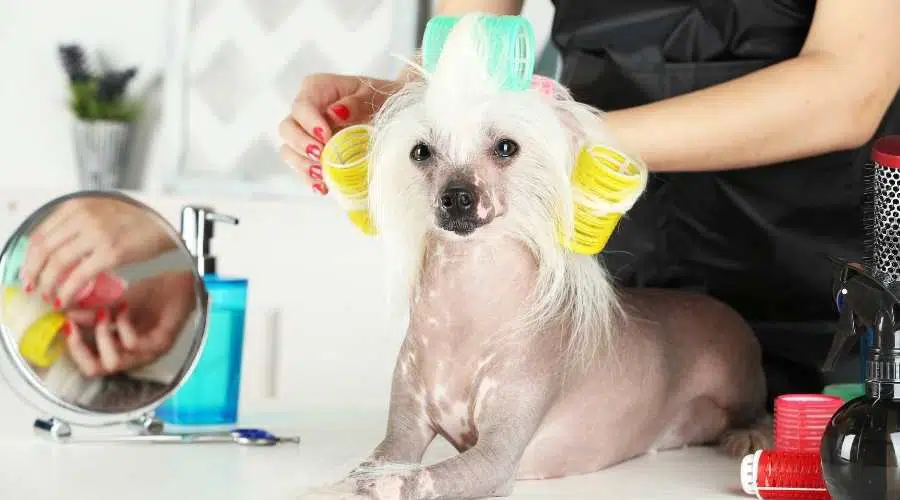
x: 197, y: 231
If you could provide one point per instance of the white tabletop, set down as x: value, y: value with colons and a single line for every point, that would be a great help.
x: 32, y: 468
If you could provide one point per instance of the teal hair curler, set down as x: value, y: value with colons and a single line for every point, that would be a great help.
x: 511, y: 56
x: 14, y: 262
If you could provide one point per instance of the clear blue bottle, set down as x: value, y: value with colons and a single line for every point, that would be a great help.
x: 211, y: 393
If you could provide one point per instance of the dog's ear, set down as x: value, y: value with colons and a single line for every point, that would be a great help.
x: 582, y: 123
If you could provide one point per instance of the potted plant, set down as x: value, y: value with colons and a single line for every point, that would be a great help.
x: 103, y: 119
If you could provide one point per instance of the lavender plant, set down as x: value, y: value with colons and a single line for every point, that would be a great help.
x: 96, y: 97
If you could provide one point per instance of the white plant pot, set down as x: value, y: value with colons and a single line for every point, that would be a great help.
x: 100, y: 153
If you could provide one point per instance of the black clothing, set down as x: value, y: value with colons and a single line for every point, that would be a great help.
x: 755, y: 238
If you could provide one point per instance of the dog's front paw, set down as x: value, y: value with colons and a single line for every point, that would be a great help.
x: 386, y: 480
x: 371, y: 480
x: 742, y: 442
x: 344, y: 490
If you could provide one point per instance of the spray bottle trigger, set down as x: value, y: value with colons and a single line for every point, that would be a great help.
x: 844, y: 338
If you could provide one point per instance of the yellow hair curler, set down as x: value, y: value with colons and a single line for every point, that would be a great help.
x: 346, y: 166
x: 605, y: 184
x: 36, y: 325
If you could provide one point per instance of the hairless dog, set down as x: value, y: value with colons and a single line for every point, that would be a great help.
x: 523, y: 355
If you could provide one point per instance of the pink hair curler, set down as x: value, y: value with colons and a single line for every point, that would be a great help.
x: 543, y: 85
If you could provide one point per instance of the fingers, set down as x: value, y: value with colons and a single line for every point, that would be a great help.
x: 309, y: 118
x: 129, y: 337
x: 83, y: 272
x: 80, y: 353
x: 60, y: 261
x: 351, y: 110
x: 40, y: 249
x: 301, y: 152
x: 310, y: 171
x: 325, y: 104
x: 55, y: 219
x: 112, y: 355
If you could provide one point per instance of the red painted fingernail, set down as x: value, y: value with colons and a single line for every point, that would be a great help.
x: 315, y: 173
x: 57, y: 303
x: 321, y: 188
x: 341, y: 111
x: 66, y: 329
x: 319, y: 133
x: 123, y: 306
x: 313, y: 151
x: 28, y: 287
x: 100, y: 314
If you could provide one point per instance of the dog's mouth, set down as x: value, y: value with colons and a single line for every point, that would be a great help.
x: 458, y: 226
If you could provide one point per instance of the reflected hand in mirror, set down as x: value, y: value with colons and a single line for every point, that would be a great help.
x: 83, y: 237
x: 102, y: 306
x: 139, y: 330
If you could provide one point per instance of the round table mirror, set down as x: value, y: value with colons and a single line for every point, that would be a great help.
x: 102, y: 312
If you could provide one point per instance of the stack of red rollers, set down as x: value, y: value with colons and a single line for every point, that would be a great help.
x: 793, y: 469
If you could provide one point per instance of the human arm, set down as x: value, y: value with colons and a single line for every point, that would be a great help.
x: 830, y: 97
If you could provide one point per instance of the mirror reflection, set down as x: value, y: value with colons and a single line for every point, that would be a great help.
x: 101, y: 305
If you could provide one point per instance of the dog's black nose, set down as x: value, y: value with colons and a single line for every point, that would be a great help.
x: 459, y: 201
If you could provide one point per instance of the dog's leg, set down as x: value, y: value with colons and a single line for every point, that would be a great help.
x: 506, y: 425
x: 409, y: 430
x: 409, y: 433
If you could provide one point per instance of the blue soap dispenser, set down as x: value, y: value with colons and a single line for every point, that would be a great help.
x: 210, y: 395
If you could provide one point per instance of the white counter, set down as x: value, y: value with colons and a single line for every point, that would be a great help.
x: 32, y: 468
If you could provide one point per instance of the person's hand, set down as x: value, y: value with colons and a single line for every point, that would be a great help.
x: 84, y: 237
x: 137, y: 332
x: 325, y: 104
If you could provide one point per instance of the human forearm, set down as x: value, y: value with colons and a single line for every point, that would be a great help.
x: 831, y: 97
x: 794, y: 109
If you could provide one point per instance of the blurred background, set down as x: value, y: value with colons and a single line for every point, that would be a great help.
x: 213, y: 79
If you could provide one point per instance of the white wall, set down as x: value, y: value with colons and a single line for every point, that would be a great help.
x: 303, y: 259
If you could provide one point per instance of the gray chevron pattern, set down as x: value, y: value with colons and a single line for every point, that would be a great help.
x: 247, y: 58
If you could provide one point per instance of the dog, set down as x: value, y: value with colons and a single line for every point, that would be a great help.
x: 522, y: 354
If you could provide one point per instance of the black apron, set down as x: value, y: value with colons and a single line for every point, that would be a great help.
x: 755, y: 238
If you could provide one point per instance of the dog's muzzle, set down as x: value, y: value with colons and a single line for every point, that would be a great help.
x: 457, y: 208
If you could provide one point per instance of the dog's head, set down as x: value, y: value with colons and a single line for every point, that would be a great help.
x: 456, y: 155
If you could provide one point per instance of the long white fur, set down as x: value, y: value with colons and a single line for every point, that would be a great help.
x: 459, y: 100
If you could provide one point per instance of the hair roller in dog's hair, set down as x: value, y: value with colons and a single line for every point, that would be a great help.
x: 511, y: 50
x: 345, y: 163
x: 34, y: 325
x: 886, y: 209
x: 543, y: 85
x: 605, y: 185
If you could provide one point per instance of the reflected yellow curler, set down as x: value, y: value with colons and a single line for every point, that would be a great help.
x: 36, y: 325
x: 605, y: 184
x: 346, y: 167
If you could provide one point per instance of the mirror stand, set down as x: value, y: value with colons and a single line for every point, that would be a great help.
x: 55, y: 428
x: 59, y: 430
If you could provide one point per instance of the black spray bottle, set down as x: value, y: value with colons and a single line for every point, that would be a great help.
x: 861, y: 445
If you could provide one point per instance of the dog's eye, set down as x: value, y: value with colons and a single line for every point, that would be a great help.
x: 506, y: 148
x: 420, y: 152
